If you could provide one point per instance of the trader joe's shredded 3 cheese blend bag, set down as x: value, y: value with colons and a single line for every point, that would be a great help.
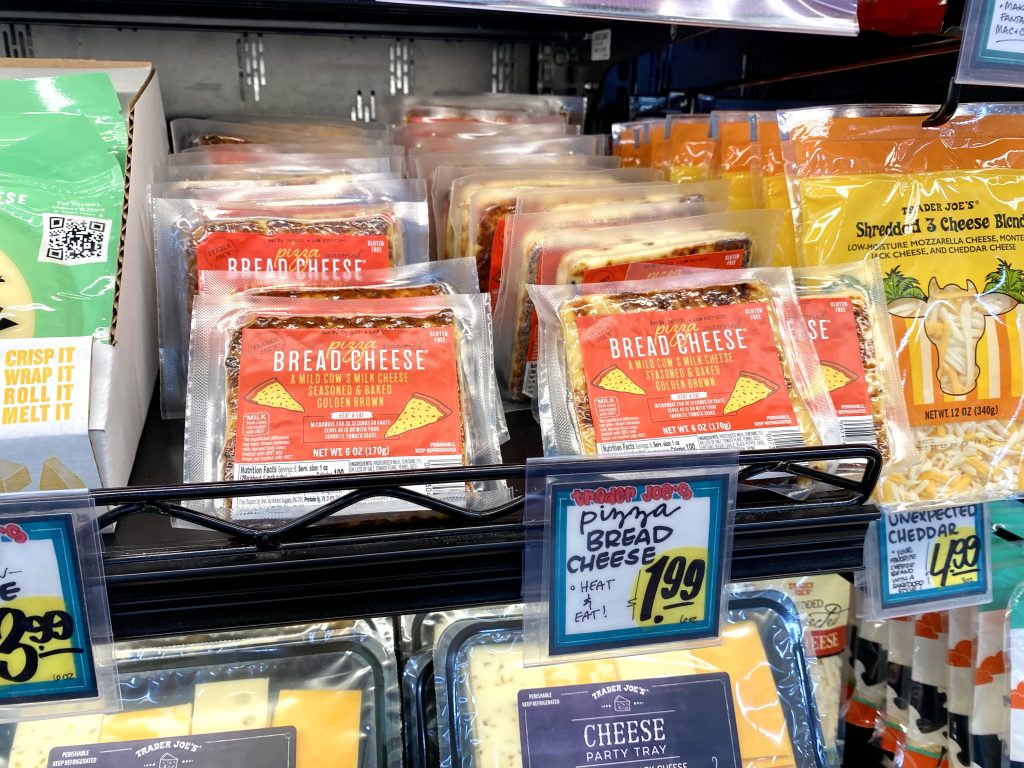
x: 939, y: 209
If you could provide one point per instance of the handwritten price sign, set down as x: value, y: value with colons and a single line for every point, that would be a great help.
x: 45, y: 652
x: 636, y: 563
x: 932, y: 555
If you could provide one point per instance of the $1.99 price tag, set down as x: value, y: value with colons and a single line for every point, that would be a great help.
x: 932, y: 555
x: 45, y: 648
x: 636, y: 562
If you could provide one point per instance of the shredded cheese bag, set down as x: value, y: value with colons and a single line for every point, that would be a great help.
x: 939, y: 209
x: 683, y: 148
x: 736, y: 148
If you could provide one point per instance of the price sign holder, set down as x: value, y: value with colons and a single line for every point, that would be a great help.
x: 992, y: 50
x: 927, y: 560
x: 626, y: 553
x: 56, y: 649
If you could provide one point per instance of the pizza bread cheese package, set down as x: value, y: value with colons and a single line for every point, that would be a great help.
x: 707, y: 360
x: 429, y: 278
x: 298, y: 229
x: 419, y: 160
x: 279, y: 165
x: 844, y: 308
x: 938, y: 208
x: 244, y: 186
x: 734, y: 132
x: 558, y: 199
x: 489, y: 203
x: 442, y: 169
x: 769, y: 175
x: 230, y: 154
x: 414, y: 136
x: 284, y: 387
x: 542, y: 252
x: 482, y: 107
x: 499, y: 189
x: 189, y: 132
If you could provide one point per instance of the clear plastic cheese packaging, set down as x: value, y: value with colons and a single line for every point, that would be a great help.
x: 334, y: 228
x: 709, y: 359
x: 363, y: 385
x: 413, y: 136
x: 189, y: 132
x: 541, y: 200
x: 546, y: 249
x: 420, y: 709
x: 279, y: 165
x: 322, y: 695
x: 428, y: 278
x: 479, y: 672
x: 229, y: 154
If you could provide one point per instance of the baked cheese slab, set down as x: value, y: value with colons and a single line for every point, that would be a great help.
x: 329, y: 394
x: 840, y: 327
x: 546, y: 265
x: 689, y: 369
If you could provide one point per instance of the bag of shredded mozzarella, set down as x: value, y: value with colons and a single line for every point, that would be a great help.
x: 938, y: 208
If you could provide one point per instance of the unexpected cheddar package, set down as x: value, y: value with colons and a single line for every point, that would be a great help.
x: 315, y: 696
x: 485, y: 694
x: 710, y: 359
x: 339, y: 229
x: 285, y: 387
x: 599, y: 247
x: 939, y: 210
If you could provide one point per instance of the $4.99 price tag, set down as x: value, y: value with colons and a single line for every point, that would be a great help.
x: 634, y: 562
x: 931, y: 556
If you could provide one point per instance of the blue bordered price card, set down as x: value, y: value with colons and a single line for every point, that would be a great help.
x: 624, y: 553
x: 55, y: 647
x: 928, y: 560
x: 992, y: 50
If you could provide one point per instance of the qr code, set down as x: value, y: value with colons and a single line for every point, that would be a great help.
x: 74, y: 239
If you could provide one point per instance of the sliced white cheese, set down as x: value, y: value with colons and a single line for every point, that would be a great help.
x: 34, y: 739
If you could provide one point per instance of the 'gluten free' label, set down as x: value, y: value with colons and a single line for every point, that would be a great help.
x: 932, y: 555
x: 636, y: 563
x: 672, y: 722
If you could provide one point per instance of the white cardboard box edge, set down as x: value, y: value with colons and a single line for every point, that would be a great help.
x: 124, y: 373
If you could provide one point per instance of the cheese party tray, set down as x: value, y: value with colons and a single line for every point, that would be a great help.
x: 483, y: 690
x: 308, y: 696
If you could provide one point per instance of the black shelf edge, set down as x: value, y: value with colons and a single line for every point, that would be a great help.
x: 410, y: 571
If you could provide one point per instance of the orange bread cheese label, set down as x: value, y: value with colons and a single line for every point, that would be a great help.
x: 326, y: 400
x: 618, y: 272
x: 254, y: 252
x: 832, y: 328
x: 707, y: 377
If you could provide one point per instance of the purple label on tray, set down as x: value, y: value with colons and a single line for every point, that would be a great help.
x: 671, y: 722
x: 260, y: 748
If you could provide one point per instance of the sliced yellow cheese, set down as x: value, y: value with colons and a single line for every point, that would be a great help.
x: 152, y: 723
x: 836, y: 376
x: 418, y: 412
x: 17, y: 311
x: 272, y: 394
x: 13, y: 477
x: 56, y: 477
x: 327, y: 726
x: 749, y: 389
x: 614, y: 379
x: 34, y: 739
x: 231, y: 705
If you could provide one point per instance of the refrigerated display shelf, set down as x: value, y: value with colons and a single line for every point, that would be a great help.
x: 212, y: 578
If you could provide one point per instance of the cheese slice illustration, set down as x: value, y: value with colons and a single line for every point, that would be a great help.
x: 836, y: 376
x: 749, y: 389
x: 17, y: 315
x: 56, y: 477
x: 13, y: 476
x: 614, y: 379
x: 272, y: 394
x: 419, y: 411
